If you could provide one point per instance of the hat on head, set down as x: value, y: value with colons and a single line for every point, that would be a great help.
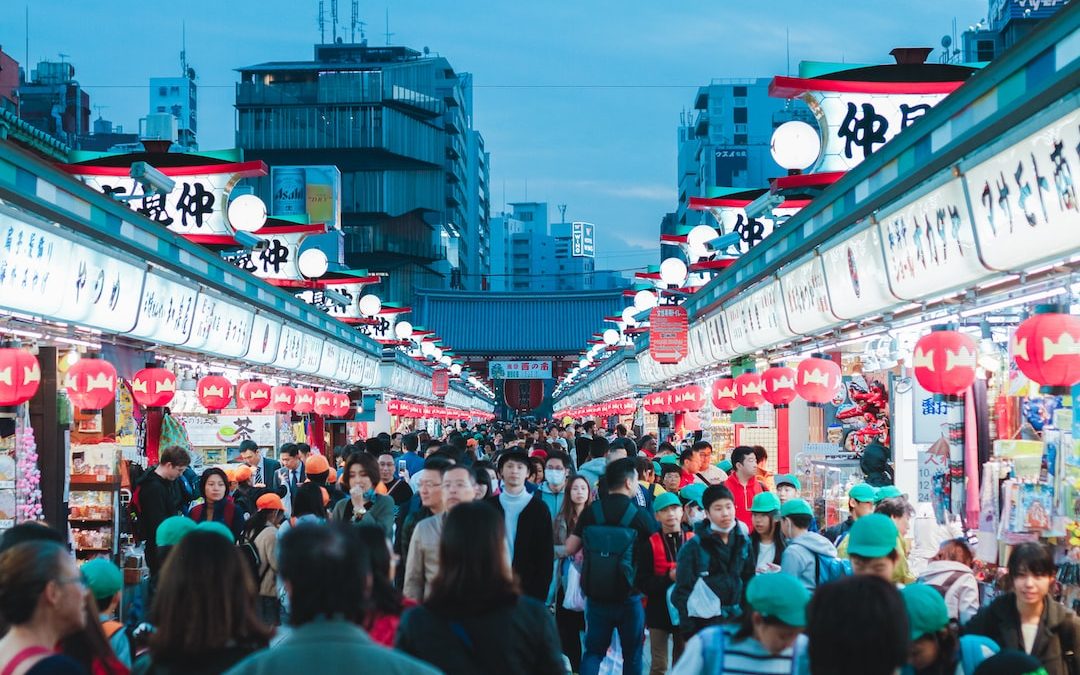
x: 517, y: 455
x: 664, y: 501
x: 887, y: 492
x: 657, y: 469
x: 765, y: 502
x: 861, y: 492
x: 724, y: 465
x: 269, y: 501
x: 316, y: 464
x: 471, y: 443
x: 873, y: 536
x: 693, y: 493
x: 230, y: 474
x: 1011, y: 662
x: 780, y: 596
x: 926, y: 610
x: 216, y: 528
x: 242, y: 473
x: 787, y: 479
x: 172, y: 530
x: 670, y: 459
x: 796, y: 507
x: 102, y: 577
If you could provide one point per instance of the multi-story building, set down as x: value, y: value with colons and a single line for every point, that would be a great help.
x: 9, y: 82
x: 1007, y: 21
x: 178, y: 96
x: 394, y: 121
x: 724, y: 141
x: 478, y: 212
x: 53, y: 101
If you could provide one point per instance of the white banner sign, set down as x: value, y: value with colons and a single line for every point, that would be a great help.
x: 228, y: 430
x: 855, y: 275
x: 167, y: 311
x: 221, y: 327
x: 103, y: 291
x: 265, y: 335
x: 519, y: 370
x: 289, y: 348
x: 34, y: 267
x: 758, y: 320
x: 806, y: 298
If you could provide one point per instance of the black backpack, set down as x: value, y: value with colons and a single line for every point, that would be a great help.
x: 251, y: 555
x: 607, y: 572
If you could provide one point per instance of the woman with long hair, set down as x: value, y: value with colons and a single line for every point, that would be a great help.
x: 474, y: 596
x: 217, y: 505
x: 204, y: 610
x: 42, y: 600
x: 364, y: 505
x: 570, y: 622
x: 261, y: 532
x: 387, y: 604
x: 767, y: 542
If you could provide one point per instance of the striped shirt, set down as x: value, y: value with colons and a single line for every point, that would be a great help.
x: 745, y: 657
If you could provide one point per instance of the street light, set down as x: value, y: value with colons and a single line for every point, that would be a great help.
x: 644, y: 300
x: 370, y: 305
x: 247, y: 213
x: 611, y: 337
x: 673, y: 271
x: 313, y: 263
x: 403, y: 330
x: 795, y: 145
x: 628, y: 316
x: 455, y: 369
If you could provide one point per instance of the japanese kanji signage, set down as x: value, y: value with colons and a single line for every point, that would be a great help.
x: 731, y: 215
x: 265, y: 335
x: 855, y: 275
x: 668, y: 333
x: 929, y: 417
x: 228, y: 430
x: 276, y: 260
x: 440, y: 382
x: 758, y: 320
x: 167, y: 311
x: 519, y: 370
x: 583, y: 244
x: 806, y: 298
x: 351, y: 310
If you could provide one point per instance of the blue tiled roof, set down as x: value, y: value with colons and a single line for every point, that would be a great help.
x: 516, y: 324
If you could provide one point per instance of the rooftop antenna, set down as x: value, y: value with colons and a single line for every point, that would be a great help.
x: 787, y: 41
x: 99, y: 108
x: 355, y: 22
x: 27, y: 62
x: 562, y: 212
x: 322, y: 23
x: 334, y: 18
x: 388, y: 33
x: 183, y: 49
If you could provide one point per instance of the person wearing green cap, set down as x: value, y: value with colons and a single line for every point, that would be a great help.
x: 809, y: 557
x: 693, y: 510
x: 860, y: 503
x: 886, y: 492
x: 767, y: 542
x: 871, y: 546
x: 935, y: 645
x: 725, y: 465
x: 664, y: 548
x: 105, y: 580
x: 787, y: 486
x: 767, y: 640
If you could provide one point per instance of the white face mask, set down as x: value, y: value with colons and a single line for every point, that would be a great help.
x: 555, y: 476
x: 724, y: 530
x: 696, y: 517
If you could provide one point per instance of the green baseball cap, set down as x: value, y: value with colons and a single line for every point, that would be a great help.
x: 873, y: 536
x: 669, y: 459
x: 693, y: 493
x: 172, y: 530
x: 780, y: 596
x: 862, y: 492
x: 887, y: 492
x: 795, y: 507
x: 765, y: 502
x: 724, y: 465
x: 657, y: 469
x: 102, y: 577
x: 787, y: 479
x: 926, y: 610
x: 664, y: 501
x: 216, y: 528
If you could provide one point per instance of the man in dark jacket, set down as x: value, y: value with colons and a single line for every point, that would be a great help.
x: 528, y: 526
x: 159, y: 498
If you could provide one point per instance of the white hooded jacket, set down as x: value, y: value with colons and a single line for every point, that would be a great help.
x: 959, y: 585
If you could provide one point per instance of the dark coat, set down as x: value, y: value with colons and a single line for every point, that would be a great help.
x: 158, y: 499
x: 534, y: 546
x: 520, y: 638
x: 725, y: 567
x: 875, y: 465
x: 839, y: 530
x: 1059, y: 632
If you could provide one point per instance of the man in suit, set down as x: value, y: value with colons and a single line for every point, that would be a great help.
x: 264, y: 471
x: 291, y: 474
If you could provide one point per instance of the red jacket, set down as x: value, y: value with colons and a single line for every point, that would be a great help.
x: 744, y: 496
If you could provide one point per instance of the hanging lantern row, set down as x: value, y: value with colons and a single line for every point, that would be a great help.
x: 683, y: 399
x: 621, y: 406
x: 91, y: 383
x: 944, y: 361
x: 419, y: 411
x: 153, y: 386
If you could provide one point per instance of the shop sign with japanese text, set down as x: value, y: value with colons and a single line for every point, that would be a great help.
x: 855, y: 276
x: 668, y: 333
x: 519, y: 370
x: 806, y: 299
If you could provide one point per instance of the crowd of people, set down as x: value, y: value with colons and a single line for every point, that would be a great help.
x: 519, y: 550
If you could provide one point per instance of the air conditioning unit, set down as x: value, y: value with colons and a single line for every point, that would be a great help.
x: 158, y: 127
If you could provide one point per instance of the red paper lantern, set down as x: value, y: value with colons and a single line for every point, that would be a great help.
x: 153, y: 387
x: 214, y: 392
x: 342, y: 404
x: 818, y: 379
x: 1047, y: 349
x: 723, y: 394
x: 324, y: 403
x: 20, y: 376
x: 282, y: 399
x: 91, y: 383
x: 944, y: 361
x: 305, y: 401
x: 778, y: 386
x: 748, y: 389
x: 254, y: 395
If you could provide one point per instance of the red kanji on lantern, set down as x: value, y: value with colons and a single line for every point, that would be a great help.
x: 748, y: 391
x: 723, y: 394
x: 324, y: 403
x: 254, y: 395
x: 20, y: 376
x: 91, y: 383
x: 153, y: 386
x: 1047, y: 349
x: 282, y: 398
x: 778, y: 386
x: 944, y: 361
x: 817, y: 379
x: 305, y: 401
x: 214, y: 392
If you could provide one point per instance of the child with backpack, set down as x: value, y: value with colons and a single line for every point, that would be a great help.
x: 259, y: 546
x: 664, y: 549
x: 105, y: 581
x: 710, y: 567
x: 809, y: 557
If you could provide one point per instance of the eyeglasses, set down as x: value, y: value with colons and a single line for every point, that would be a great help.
x: 72, y: 580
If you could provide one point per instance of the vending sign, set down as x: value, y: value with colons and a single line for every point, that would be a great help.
x: 669, y: 333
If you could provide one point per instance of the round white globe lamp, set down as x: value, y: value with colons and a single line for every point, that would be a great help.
x: 673, y: 271
x: 371, y: 305
x: 312, y: 263
x: 628, y: 315
x: 247, y: 213
x: 795, y: 145
x: 611, y: 337
x: 455, y: 369
x: 403, y: 330
x: 700, y: 236
x: 644, y: 300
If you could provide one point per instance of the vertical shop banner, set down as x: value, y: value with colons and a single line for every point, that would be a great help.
x: 719, y: 345
x: 758, y: 321
x: 583, y: 242
x: 440, y: 382
x: 1024, y: 198
x: 929, y: 416
x: 933, y: 467
x: 668, y: 333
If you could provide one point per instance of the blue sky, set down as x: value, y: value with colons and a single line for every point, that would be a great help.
x: 578, y: 99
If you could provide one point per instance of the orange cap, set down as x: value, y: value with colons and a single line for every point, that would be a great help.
x: 242, y: 473
x: 231, y: 475
x: 316, y: 464
x: 269, y: 501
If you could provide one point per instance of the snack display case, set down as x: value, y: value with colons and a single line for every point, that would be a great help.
x: 826, y: 480
x: 94, y: 501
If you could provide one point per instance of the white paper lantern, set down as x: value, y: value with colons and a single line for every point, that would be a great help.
x: 402, y: 330
x: 611, y: 337
x: 455, y: 369
x: 583, y: 363
x: 370, y: 305
x: 700, y: 236
x: 427, y: 348
x: 673, y: 271
x: 247, y: 213
x: 795, y: 145
x: 628, y: 315
x: 313, y: 263
x: 644, y: 300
